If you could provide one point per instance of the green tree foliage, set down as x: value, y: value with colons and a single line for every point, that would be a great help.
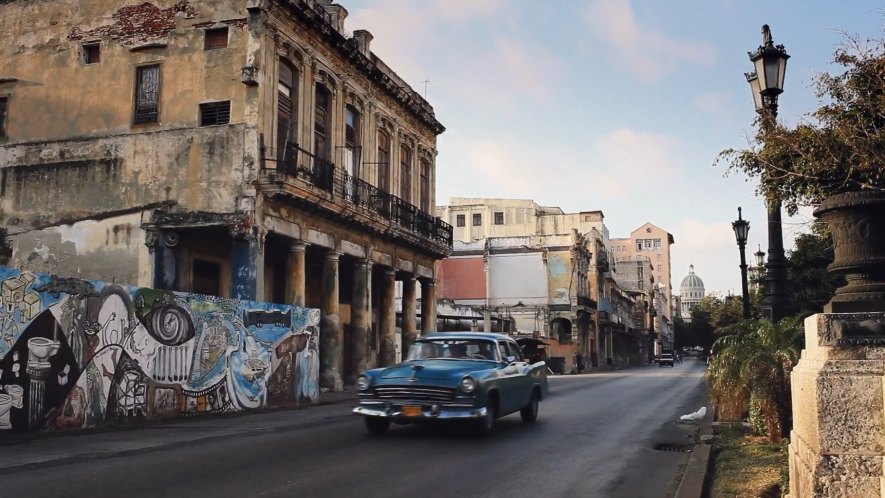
x: 811, y: 286
x: 753, y: 361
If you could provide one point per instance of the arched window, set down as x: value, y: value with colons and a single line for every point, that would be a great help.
x: 321, y: 117
x: 287, y: 100
x: 383, y: 161
x: 405, y: 173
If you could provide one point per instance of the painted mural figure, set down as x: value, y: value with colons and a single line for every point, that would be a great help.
x: 309, y: 369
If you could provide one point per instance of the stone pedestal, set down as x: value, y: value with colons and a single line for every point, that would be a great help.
x: 837, y: 446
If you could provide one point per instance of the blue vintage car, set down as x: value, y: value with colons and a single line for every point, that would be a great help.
x: 453, y: 376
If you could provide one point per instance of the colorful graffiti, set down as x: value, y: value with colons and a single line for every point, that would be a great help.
x: 81, y: 354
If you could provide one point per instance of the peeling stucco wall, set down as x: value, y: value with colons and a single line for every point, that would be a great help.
x: 63, y: 181
x: 111, y: 249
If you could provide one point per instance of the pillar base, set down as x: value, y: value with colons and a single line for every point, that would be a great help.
x: 837, y: 446
x: 331, y: 381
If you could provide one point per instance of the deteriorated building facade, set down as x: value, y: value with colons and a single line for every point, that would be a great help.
x: 239, y: 148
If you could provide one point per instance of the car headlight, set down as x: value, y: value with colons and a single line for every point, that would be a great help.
x: 468, y: 385
x: 362, y: 382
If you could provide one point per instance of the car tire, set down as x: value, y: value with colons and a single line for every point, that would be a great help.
x: 377, y: 425
x: 529, y: 412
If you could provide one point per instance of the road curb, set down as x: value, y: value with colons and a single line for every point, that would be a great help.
x: 695, y: 477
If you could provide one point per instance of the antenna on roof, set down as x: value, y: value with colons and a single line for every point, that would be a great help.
x: 426, y: 81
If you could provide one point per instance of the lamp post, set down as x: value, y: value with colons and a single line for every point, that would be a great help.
x: 767, y: 83
x: 758, y: 271
x: 741, y: 229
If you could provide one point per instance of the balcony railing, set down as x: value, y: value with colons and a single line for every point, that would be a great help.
x: 300, y: 163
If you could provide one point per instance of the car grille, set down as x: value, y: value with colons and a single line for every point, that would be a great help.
x: 415, y: 393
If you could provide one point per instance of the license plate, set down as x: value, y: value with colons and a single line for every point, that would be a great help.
x: 411, y: 411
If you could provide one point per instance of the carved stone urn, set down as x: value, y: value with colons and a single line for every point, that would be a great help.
x: 857, y: 222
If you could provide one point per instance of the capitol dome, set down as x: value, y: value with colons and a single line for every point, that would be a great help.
x: 691, y: 292
x: 691, y: 281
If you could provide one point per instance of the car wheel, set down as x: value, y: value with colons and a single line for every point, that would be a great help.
x: 529, y: 412
x: 485, y: 425
x: 377, y: 425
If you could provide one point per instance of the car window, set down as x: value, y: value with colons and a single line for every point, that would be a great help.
x: 475, y: 349
x: 502, y: 348
x: 514, y: 350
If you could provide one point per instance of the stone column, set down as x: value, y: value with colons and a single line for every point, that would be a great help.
x: 246, y: 259
x: 295, y: 271
x: 428, y: 305
x: 388, y: 319
x: 165, y: 263
x: 410, y: 332
x: 330, y: 326
x: 837, y: 445
x: 361, y: 315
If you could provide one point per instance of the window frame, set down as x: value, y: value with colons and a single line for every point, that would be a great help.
x: 383, y: 160
x: 4, y: 116
x: 405, y: 173
x: 86, y: 50
x: 207, y: 106
x: 461, y: 220
x: 322, y: 148
x: 212, y: 46
x: 287, y: 125
x: 139, y: 70
x: 496, y: 218
x: 477, y: 220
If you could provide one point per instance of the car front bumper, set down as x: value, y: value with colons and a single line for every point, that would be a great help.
x: 428, y: 412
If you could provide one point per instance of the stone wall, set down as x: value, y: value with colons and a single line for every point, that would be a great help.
x: 79, y: 354
x: 837, y: 445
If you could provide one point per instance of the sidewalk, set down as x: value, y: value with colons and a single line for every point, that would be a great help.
x: 44, y: 450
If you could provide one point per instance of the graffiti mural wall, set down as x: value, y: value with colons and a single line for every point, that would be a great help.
x: 79, y: 354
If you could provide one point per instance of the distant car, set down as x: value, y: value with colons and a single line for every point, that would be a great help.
x: 466, y: 377
x: 666, y: 359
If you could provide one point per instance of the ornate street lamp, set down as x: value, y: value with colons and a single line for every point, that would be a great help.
x: 767, y: 83
x: 741, y: 229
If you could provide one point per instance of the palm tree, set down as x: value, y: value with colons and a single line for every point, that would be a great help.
x: 752, y: 361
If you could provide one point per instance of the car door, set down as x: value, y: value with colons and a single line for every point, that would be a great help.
x: 522, y: 381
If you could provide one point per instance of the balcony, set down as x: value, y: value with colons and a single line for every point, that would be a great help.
x: 300, y: 174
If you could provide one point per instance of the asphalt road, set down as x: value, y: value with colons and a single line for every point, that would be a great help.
x: 595, y: 437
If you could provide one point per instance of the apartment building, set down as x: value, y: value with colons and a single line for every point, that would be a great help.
x: 236, y: 148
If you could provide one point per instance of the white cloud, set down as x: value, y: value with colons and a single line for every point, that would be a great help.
x: 646, y: 50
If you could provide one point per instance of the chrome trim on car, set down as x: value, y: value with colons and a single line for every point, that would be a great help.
x: 443, y: 412
x: 414, y: 393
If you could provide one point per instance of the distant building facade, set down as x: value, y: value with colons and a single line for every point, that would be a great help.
x: 654, y: 243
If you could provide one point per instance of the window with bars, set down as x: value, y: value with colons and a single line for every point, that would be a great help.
x: 215, y: 38
x: 499, y: 217
x: 321, y: 123
x: 147, y: 94
x: 460, y: 220
x: 4, y: 105
x: 477, y: 219
x: 383, y: 161
x: 215, y: 113
x: 91, y: 53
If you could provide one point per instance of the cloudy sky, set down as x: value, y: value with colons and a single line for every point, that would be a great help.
x: 618, y: 105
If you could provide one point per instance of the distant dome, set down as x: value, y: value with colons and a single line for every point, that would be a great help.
x: 691, y: 282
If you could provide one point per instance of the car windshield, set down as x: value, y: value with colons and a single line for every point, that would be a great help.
x: 476, y: 349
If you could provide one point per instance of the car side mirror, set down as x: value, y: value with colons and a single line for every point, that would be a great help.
x: 510, y: 359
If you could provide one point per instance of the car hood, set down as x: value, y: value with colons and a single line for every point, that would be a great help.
x: 435, y: 369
